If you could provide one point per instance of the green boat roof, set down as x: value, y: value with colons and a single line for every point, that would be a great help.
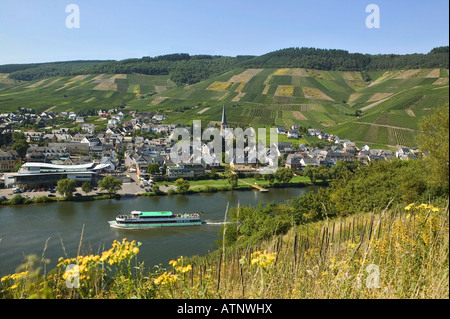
x: 155, y: 214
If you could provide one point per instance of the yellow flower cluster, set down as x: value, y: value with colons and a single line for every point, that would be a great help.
x: 14, y: 276
x: 84, y: 264
x: 81, y: 260
x: 165, y: 279
x: 77, y: 271
x: 421, y: 207
x: 263, y: 259
x: 120, y: 251
x: 180, y: 268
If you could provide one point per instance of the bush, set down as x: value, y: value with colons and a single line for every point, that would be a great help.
x: 42, y: 199
x: 210, y: 189
x: 17, y: 200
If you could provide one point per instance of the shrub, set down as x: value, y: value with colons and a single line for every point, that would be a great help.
x: 17, y: 200
x: 42, y: 199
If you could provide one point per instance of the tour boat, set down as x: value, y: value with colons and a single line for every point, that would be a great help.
x: 142, y: 220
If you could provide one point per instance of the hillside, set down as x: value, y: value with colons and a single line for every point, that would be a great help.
x: 390, y: 104
x: 371, y: 99
x: 81, y: 92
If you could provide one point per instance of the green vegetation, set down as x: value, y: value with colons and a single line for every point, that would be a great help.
x: 110, y: 184
x: 434, y: 140
x: 35, y: 71
x: 86, y: 187
x: 182, y: 186
x: 66, y: 187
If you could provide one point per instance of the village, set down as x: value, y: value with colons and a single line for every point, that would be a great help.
x: 138, y: 143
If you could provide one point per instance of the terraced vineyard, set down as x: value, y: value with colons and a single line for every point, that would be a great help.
x: 382, y: 110
x: 391, y: 103
x: 80, y: 92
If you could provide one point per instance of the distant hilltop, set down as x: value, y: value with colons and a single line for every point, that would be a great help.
x: 189, y: 69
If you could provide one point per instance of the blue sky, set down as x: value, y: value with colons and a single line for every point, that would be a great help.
x: 35, y: 30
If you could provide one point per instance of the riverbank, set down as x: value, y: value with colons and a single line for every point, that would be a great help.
x: 133, y: 189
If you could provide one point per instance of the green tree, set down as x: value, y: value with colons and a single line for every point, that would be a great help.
x: 284, y: 174
x: 21, y: 147
x: 322, y: 173
x: 213, y: 174
x: 66, y: 187
x: 153, y: 168
x: 434, y: 141
x: 270, y: 178
x: 232, y: 179
x: 86, y: 187
x: 182, y: 185
x: 309, y: 172
x: 111, y: 184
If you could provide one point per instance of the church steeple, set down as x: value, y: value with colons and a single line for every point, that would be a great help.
x: 223, y: 124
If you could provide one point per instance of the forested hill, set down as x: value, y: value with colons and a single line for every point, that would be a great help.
x: 340, y: 60
x: 35, y: 71
x: 186, y: 69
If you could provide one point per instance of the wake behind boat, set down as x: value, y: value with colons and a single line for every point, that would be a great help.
x: 142, y: 220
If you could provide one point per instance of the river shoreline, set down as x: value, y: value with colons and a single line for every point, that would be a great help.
x: 126, y: 193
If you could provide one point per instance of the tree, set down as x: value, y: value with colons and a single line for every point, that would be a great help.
x: 66, y: 187
x: 434, y: 140
x: 270, y: 178
x: 310, y: 173
x: 232, y: 179
x: 284, y: 174
x: 111, y: 184
x: 86, y: 187
x: 322, y: 173
x: 213, y: 174
x: 153, y: 168
x: 21, y: 147
x: 182, y: 185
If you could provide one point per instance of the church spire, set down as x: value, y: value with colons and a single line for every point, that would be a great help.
x: 224, y: 118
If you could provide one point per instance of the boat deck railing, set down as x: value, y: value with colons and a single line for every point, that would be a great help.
x: 182, y: 215
x: 187, y: 215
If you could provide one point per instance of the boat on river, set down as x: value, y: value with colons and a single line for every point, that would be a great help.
x: 143, y: 220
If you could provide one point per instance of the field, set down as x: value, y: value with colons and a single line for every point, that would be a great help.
x: 104, y: 91
x: 383, y: 111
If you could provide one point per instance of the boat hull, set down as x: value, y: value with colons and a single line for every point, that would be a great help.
x: 117, y: 225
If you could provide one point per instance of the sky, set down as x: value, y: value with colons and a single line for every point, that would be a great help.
x: 33, y: 31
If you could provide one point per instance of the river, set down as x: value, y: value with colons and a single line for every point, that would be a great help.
x: 54, y: 230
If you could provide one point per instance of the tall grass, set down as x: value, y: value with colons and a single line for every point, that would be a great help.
x: 397, y: 253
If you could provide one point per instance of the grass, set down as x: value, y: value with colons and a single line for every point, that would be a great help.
x: 222, y: 184
x: 391, y: 254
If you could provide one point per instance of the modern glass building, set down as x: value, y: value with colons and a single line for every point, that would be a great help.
x: 35, y: 174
